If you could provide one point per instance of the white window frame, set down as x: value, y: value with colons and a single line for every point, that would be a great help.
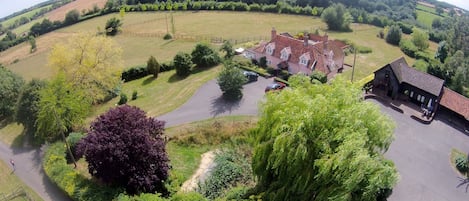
x: 303, y: 61
x: 284, y: 55
x: 270, y: 48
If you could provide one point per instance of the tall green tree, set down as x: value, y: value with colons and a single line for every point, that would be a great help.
x: 10, y: 88
x: 27, y: 106
x: 231, y: 81
x: 153, y: 67
x: 394, y: 35
x: 337, y: 18
x: 61, y: 107
x: 420, y: 39
x: 458, y: 35
x: 322, y: 142
x: 228, y: 49
x: 72, y: 17
x: 204, y: 56
x: 183, y: 63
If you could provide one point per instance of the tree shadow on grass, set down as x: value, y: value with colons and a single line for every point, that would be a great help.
x: 175, y: 78
x: 148, y: 80
x: 199, y: 69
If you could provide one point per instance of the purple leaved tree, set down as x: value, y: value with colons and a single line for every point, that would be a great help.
x: 125, y: 147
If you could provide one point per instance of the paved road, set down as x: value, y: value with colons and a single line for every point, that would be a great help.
x: 421, y: 154
x: 207, y: 103
x: 29, y: 169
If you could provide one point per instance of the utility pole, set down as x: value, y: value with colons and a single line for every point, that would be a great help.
x: 354, y: 59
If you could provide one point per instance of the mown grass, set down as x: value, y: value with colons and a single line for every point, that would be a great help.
x: 426, y: 15
x: 28, y: 15
x: 9, y: 183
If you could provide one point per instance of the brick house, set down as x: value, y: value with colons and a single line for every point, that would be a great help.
x: 303, y: 55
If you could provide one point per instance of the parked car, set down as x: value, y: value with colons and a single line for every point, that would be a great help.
x: 277, y: 86
x: 251, y: 76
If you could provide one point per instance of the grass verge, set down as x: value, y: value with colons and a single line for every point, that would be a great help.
x: 10, y: 183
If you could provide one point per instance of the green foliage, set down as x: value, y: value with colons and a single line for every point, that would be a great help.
x: 134, y: 95
x: 232, y: 168
x: 183, y: 63
x: 32, y: 42
x: 299, y: 80
x: 70, y: 180
x: 153, y: 67
x: 394, y: 35
x: 263, y: 62
x: 204, y: 56
x: 10, y: 88
x: 27, y: 106
x: 61, y: 107
x: 134, y: 73
x: 408, y: 48
x: 123, y: 99
x: 228, y: 49
x: 442, y: 51
x: 72, y: 17
x: 420, y: 39
x: 322, y: 142
x: 167, y: 36
x: 421, y: 65
x: 337, y: 18
x: 231, y: 81
x: 113, y: 26
x: 190, y: 196
x: 319, y: 76
x: 461, y: 163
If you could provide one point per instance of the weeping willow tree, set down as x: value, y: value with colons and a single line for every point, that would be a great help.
x: 323, y: 142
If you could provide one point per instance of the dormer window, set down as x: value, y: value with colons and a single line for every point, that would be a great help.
x: 285, y: 53
x: 270, y: 48
x: 304, y: 59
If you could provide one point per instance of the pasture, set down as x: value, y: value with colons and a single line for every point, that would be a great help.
x: 28, y: 15
x: 426, y: 15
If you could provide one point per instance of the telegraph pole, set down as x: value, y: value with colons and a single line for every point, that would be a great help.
x: 354, y: 59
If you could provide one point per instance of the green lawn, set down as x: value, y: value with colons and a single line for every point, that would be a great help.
x: 426, y: 15
x: 28, y: 15
x: 10, y: 183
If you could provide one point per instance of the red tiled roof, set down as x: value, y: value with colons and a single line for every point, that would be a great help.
x: 455, y: 102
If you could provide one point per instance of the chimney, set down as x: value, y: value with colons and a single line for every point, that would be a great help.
x: 305, y: 39
x: 273, y: 33
x: 326, y: 42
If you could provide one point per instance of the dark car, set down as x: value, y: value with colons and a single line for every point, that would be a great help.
x: 251, y: 76
x: 277, y: 86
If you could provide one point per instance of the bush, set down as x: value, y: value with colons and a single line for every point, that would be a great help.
x: 134, y: 95
x: 394, y: 35
x: 204, y: 56
x: 167, y: 37
x: 183, y: 63
x: 461, y: 163
x: 232, y: 168
x: 134, y: 73
x: 319, y: 76
x: 72, y: 140
x: 75, y: 185
x: 408, y: 48
x: 364, y: 50
x: 263, y: 62
x: 123, y: 99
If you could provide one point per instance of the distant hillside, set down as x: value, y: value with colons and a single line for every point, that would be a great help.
x: 82, y: 6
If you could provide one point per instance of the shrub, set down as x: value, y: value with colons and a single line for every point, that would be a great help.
x: 461, y: 163
x: 166, y: 66
x: 320, y: 76
x: 123, y: 99
x: 113, y: 26
x: 204, y: 56
x: 153, y: 67
x: 232, y: 168
x: 408, y: 48
x: 263, y: 62
x: 167, y: 37
x: 364, y: 50
x: 75, y: 185
x: 394, y: 35
x: 183, y: 64
x: 134, y: 95
x: 134, y: 73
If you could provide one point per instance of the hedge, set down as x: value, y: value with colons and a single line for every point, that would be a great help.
x: 408, y: 48
x: 69, y: 180
x: 263, y: 74
x: 141, y: 71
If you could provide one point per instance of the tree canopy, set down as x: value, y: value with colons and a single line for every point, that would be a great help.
x: 10, y: 87
x: 113, y: 26
x: 420, y: 39
x: 89, y: 62
x: 231, y: 81
x: 337, y: 18
x: 394, y: 34
x: 322, y: 142
x: 125, y: 147
x: 204, y: 56
x: 183, y: 63
x: 153, y: 67
x: 27, y: 106
x: 61, y: 106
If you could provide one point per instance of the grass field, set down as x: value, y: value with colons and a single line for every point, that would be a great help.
x: 28, y: 15
x: 9, y: 183
x: 426, y: 15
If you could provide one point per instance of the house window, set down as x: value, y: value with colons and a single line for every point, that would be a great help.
x: 418, y: 97
x: 411, y: 94
x: 303, y: 61
x: 422, y: 99
x: 284, y: 55
x: 270, y: 48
